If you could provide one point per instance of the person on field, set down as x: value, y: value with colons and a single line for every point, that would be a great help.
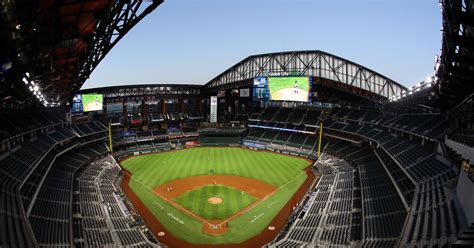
x: 295, y: 87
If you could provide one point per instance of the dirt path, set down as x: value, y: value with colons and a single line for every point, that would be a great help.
x: 253, y: 187
x: 263, y: 238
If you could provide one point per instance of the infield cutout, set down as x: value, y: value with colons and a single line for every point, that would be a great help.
x: 210, y: 227
x: 215, y: 200
x: 173, y: 189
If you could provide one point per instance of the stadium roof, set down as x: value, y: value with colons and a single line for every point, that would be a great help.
x: 149, y: 91
x: 309, y: 63
x: 455, y: 66
x: 49, y: 48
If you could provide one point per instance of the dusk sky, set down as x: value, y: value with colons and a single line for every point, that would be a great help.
x: 192, y: 41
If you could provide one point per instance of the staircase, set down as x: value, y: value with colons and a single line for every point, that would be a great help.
x: 466, y: 237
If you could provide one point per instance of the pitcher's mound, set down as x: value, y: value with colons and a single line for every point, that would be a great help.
x: 215, y: 200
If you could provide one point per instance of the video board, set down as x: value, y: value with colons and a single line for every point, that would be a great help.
x: 87, y: 103
x: 291, y: 89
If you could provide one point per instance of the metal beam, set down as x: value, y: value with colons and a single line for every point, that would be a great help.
x: 308, y: 63
x: 123, y: 16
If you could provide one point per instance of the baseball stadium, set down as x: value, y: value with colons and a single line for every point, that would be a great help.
x: 299, y: 148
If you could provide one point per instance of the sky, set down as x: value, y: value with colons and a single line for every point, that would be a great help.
x: 192, y: 41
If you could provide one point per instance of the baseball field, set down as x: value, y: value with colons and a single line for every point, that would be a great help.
x: 289, y: 88
x: 213, y: 195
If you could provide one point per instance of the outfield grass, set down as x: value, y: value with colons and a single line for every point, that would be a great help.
x: 278, y: 83
x: 150, y: 171
x: 233, y: 201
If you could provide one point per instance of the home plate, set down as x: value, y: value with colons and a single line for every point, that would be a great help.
x: 161, y: 234
x: 271, y: 228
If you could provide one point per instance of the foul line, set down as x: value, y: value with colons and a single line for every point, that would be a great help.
x: 245, y: 210
x: 179, y: 207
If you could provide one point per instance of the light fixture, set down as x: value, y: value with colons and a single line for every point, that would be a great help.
x: 25, y: 80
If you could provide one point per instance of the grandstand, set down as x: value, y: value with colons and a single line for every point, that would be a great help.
x: 392, y: 166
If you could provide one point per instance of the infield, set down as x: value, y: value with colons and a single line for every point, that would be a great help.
x: 215, y: 202
x: 282, y: 175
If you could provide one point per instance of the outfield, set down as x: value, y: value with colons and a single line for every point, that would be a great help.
x: 283, y: 173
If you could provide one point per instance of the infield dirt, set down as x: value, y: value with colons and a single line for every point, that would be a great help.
x: 253, y: 187
x: 171, y: 241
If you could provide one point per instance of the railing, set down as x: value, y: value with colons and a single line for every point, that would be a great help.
x: 11, y: 142
x: 466, y: 151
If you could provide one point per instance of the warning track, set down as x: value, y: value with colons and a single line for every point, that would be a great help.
x: 263, y: 238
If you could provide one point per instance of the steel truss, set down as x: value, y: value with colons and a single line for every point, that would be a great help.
x: 60, y: 43
x: 148, y: 92
x: 308, y: 63
x: 124, y: 15
x: 454, y: 67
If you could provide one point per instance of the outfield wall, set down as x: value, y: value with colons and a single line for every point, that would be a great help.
x: 219, y: 141
x: 264, y: 238
x: 279, y: 221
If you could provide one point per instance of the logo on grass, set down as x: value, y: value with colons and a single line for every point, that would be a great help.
x: 175, y: 218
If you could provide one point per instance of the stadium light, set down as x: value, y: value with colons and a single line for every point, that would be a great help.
x: 429, y: 80
x: 36, y: 88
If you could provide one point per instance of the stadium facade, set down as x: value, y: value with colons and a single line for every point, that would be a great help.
x: 391, y: 166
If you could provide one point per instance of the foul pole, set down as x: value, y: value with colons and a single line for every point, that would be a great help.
x: 320, y: 137
x: 110, y: 138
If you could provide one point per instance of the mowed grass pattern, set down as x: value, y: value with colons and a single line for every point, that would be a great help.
x: 155, y: 169
x: 149, y: 171
x: 197, y: 201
